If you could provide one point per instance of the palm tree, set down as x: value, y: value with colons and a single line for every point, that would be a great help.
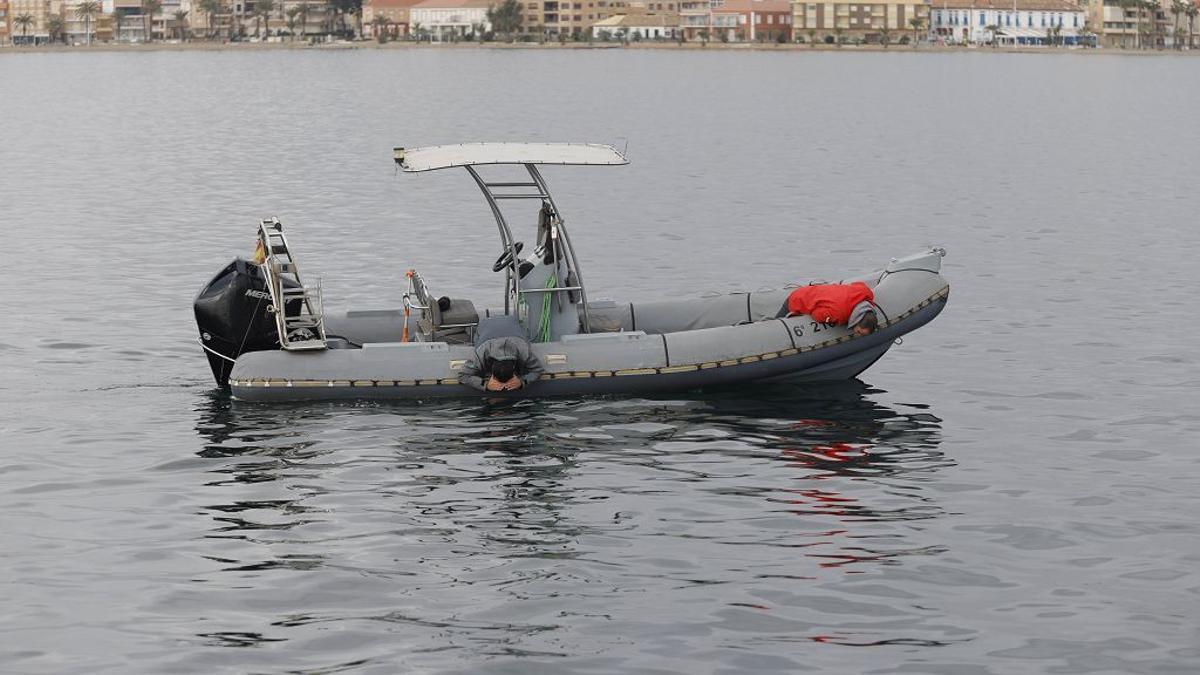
x: 238, y: 18
x: 149, y: 9
x: 1126, y: 6
x: 330, y: 17
x: 1145, y: 32
x: 812, y: 37
x: 210, y: 8
x: 379, y: 26
x: 885, y: 36
x: 917, y: 24
x: 263, y: 9
x: 337, y: 11
x: 1088, y: 32
x: 292, y: 13
x: 1151, y: 7
x: 837, y: 32
x: 23, y: 20
x: 180, y: 17
x: 56, y: 26
x: 303, y: 14
x: 505, y: 17
x: 1155, y: 28
x: 85, y: 11
x: 1191, y: 12
x: 1178, y: 7
x: 993, y: 29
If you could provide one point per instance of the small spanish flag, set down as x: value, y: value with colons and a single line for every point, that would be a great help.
x: 260, y: 252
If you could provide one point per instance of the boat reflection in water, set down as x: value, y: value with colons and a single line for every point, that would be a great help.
x: 900, y: 447
x: 435, y: 515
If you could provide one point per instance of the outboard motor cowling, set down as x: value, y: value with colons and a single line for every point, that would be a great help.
x: 233, y: 313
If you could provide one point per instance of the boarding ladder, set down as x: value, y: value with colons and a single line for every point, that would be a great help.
x: 304, y: 327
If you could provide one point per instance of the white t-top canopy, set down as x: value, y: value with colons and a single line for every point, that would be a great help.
x: 470, y: 154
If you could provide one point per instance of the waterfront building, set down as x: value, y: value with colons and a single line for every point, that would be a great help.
x: 551, y: 18
x: 82, y: 30
x: 128, y: 22
x: 446, y: 20
x: 1134, y: 25
x: 638, y: 26
x: 753, y: 20
x: 171, y: 27
x: 736, y: 20
x: 1008, y: 22
x: 397, y: 14
x: 201, y: 24
x: 237, y: 17
x: 5, y: 23
x: 695, y: 19
x: 248, y: 23
x: 870, y: 22
x: 312, y: 17
x: 38, y: 32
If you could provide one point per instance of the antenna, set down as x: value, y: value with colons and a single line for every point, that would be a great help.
x: 625, y: 148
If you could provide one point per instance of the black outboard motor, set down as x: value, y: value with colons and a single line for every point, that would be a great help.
x: 233, y: 313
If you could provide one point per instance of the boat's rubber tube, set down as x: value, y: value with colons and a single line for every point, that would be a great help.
x: 909, y: 293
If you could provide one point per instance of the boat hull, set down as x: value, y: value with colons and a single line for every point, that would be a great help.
x: 910, y: 292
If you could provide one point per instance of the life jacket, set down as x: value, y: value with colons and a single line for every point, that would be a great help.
x: 829, y: 303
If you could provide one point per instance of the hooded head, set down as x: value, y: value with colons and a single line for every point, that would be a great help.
x: 863, y: 319
x: 504, y: 370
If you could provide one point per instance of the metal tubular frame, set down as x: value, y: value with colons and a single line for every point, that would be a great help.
x: 511, y: 278
x: 572, y: 261
x: 274, y: 269
x: 506, y: 238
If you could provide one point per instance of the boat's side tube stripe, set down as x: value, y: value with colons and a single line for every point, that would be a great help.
x: 666, y: 349
x: 788, y: 329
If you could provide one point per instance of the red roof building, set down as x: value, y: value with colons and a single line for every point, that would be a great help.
x: 395, y: 13
x: 753, y: 20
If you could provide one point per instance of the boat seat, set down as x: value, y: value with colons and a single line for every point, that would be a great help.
x: 455, y: 325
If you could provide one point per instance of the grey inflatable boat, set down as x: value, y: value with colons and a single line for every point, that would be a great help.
x: 268, y: 338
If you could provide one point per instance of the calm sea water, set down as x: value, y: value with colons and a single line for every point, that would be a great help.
x: 1013, y: 489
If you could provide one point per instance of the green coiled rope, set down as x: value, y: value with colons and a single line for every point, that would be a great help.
x: 543, y: 333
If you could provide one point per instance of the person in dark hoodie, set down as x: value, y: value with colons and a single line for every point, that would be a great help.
x: 503, y: 359
x: 848, y: 305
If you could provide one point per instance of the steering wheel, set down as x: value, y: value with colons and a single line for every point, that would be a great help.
x: 506, y: 258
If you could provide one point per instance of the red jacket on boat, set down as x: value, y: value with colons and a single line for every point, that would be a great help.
x: 829, y: 303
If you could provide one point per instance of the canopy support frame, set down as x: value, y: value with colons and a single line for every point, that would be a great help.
x: 511, y: 274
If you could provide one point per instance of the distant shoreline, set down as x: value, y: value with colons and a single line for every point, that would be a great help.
x: 687, y: 46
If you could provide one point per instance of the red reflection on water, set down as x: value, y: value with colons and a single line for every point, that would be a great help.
x: 812, y: 423
x: 822, y: 462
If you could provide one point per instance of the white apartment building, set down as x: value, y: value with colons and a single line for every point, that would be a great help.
x: 1009, y: 22
x: 451, y: 19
